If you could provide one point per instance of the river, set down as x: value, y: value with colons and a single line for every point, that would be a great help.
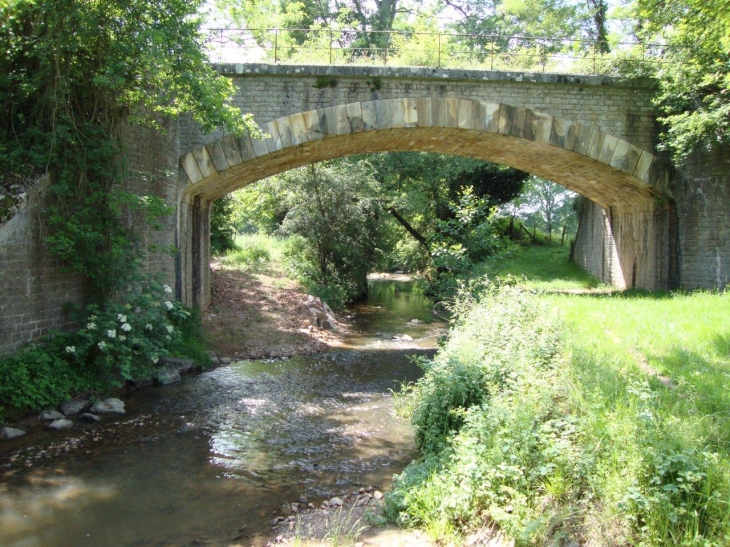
x: 216, y: 456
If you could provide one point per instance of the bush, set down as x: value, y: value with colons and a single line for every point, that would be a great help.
x: 486, y: 418
x: 120, y: 342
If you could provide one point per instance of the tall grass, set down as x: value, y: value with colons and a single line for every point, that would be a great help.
x: 620, y: 438
x: 255, y: 252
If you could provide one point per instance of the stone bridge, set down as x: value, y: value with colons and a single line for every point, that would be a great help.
x: 645, y: 225
x: 594, y: 135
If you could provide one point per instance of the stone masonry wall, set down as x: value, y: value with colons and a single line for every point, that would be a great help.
x: 152, y: 159
x: 702, y: 191
x: 33, y: 289
x: 617, y: 107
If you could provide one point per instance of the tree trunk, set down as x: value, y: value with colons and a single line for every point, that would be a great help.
x: 410, y: 229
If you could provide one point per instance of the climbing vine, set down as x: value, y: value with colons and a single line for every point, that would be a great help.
x: 74, y: 74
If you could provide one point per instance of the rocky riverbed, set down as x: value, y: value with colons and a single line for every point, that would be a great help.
x: 210, y: 459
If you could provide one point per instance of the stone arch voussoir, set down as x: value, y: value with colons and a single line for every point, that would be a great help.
x: 605, y: 168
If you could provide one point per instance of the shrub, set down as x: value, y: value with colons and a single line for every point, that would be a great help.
x: 486, y: 418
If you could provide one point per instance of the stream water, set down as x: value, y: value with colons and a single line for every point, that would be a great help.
x: 218, y: 454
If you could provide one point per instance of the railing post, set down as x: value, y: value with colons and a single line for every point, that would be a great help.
x: 438, y: 62
x: 543, y: 57
x: 330, y: 40
x: 491, y: 52
x: 220, y: 47
x: 595, y: 52
x: 276, y: 46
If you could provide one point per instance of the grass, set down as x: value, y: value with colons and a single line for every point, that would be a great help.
x: 547, y: 267
x: 255, y: 253
x: 634, y: 448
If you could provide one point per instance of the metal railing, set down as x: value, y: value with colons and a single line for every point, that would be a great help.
x: 428, y: 49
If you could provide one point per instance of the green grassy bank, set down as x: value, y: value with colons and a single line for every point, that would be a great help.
x: 555, y: 418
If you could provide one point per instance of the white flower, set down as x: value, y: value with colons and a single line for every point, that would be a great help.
x: 70, y: 349
x: 101, y: 344
x: 111, y: 333
x: 168, y: 338
x: 170, y: 328
x: 148, y: 326
x: 155, y: 359
x: 167, y: 289
x: 91, y: 326
x: 122, y: 318
x: 126, y: 327
x: 122, y: 338
x: 168, y: 304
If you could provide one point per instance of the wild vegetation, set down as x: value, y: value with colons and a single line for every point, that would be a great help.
x: 595, y: 418
x: 75, y: 74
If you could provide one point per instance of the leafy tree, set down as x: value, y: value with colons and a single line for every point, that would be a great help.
x: 74, y: 74
x: 694, y: 82
x: 545, y: 205
x: 334, y: 208
x: 222, y: 227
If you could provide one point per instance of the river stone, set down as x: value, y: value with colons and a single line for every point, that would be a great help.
x: 225, y: 360
x: 71, y: 408
x: 335, y: 502
x: 181, y: 365
x: 11, y: 433
x: 329, y: 325
x: 109, y: 406
x: 60, y: 425
x: 167, y: 375
x: 88, y: 417
x: 378, y: 495
x: 50, y: 415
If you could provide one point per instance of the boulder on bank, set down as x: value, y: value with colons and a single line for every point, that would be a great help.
x: 321, y: 314
x: 72, y: 408
x: 61, y: 424
x: 109, y: 406
x: 7, y: 433
x: 183, y: 366
x: 167, y: 375
x: 50, y: 415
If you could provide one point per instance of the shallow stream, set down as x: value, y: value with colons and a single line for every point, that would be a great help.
x: 215, y: 457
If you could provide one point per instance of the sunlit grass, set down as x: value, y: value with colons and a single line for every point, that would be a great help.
x: 255, y: 252
x: 619, y: 346
x: 547, y: 267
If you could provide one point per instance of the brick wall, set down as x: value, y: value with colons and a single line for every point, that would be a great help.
x: 33, y: 288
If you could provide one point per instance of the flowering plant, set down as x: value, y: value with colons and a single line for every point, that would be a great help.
x: 124, y: 340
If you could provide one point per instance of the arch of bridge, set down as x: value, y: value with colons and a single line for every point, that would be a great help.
x: 608, y: 170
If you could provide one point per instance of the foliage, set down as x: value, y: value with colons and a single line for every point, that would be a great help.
x: 74, y: 74
x: 119, y: 342
x: 545, y: 205
x: 253, y: 252
x: 222, y: 228
x: 485, y: 417
x: 694, y: 82
x: 333, y: 208
x: 614, y: 436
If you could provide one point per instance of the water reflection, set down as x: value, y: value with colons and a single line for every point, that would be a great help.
x: 225, y: 449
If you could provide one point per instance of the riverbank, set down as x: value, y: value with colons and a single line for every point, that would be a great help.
x: 263, y: 315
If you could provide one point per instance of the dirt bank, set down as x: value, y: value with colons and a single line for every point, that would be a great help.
x: 262, y: 315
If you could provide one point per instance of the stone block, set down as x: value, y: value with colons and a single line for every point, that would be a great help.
x: 190, y: 166
x: 230, y: 149
x: 205, y: 163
